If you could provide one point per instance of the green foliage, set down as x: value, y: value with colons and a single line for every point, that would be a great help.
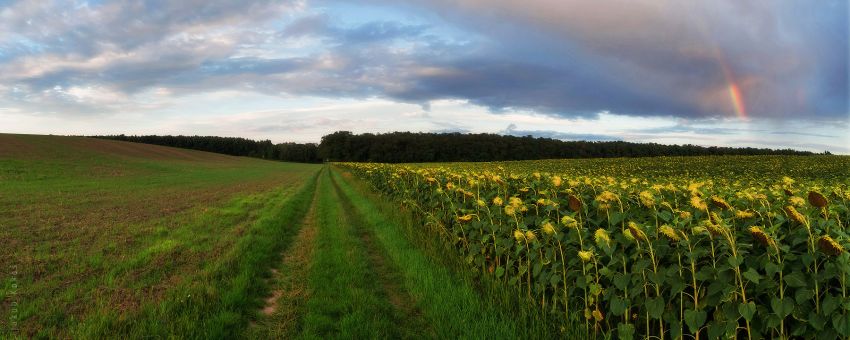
x: 408, y: 147
x: 234, y: 146
x: 660, y: 250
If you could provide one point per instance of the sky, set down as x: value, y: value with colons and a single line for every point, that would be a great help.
x: 760, y: 73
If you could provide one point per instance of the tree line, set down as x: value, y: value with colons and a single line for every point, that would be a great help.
x: 235, y: 146
x: 407, y: 147
x: 410, y: 147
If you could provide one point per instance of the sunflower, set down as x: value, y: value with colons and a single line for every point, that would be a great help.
x: 519, y: 235
x: 698, y: 203
x: 569, y: 222
x: 601, y: 236
x: 668, y: 232
x: 762, y: 237
x: 510, y: 210
x: 646, y: 199
x: 556, y: 181
x: 465, y: 218
x: 817, y: 199
x: 636, y: 232
x: 548, y: 228
x: 829, y: 246
x: 720, y: 203
x: 795, y: 215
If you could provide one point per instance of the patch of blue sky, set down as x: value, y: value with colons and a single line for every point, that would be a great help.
x: 17, y: 46
x: 350, y: 15
x: 89, y: 3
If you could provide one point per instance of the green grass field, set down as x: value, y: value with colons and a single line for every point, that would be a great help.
x: 99, y: 232
x: 104, y: 239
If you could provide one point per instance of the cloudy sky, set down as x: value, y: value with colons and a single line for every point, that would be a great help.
x: 763, y: 73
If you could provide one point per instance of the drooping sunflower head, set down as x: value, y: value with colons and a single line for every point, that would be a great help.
x: 829, y: 246
x: 744, y: 214
x: 637, y: 233
x: 556, y: 181
x: 606, y: 199
x: 519, y: 235
x: 597, y: 315
x: 574, y: 203
x: 761, y: 237
x: 720, y: 203
x: 817, y: 199
x: 465, y: 218
x: 510, y: 210
x: 698, y: 203
x: 795, y: 215
x: 715, y: 218
x: 787, y: 180
x: 715, y: 230
x: 646, y: 199
x: 628, y: 235
x: 585, y: 255
x: 548, y: 228
x: 669, y: 233
x: 569, y: 222
x: 498, y: 201
x: 602, y: 237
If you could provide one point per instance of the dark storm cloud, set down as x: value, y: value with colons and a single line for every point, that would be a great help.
x: 500, y: 85
x: 788, y: 59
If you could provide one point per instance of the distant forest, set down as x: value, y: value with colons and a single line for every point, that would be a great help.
x: 235, y: 146
x: 408, y: 147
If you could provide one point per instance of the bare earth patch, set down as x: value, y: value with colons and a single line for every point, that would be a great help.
x: 291, y: 281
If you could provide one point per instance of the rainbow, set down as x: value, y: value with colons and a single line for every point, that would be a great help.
x: 737, y: 100
x: 735, y: 96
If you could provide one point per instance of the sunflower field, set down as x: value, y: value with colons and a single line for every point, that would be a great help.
x: 664, y: 248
